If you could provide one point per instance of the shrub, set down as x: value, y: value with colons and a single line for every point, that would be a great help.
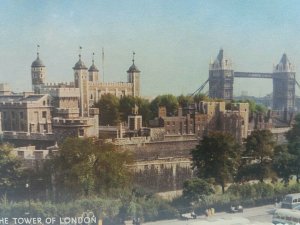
x: 294, y: 188
x: 243, y: 191
x: 195, y: 189
x: 263, y: 190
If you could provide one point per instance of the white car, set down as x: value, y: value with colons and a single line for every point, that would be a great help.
x: 187, y: 216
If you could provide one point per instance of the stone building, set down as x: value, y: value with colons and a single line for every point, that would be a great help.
x: 76, y: 126
x: 26, y: 113
x: 26, y: 119
x: 236, y: 120
x: 200, y: 119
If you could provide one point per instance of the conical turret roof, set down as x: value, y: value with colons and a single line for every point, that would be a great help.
x: 38, y: 62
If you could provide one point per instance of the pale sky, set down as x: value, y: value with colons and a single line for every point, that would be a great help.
x: 173, y: 40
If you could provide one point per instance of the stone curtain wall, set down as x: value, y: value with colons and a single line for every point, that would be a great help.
x: 153, y: 150
x: 162, y: 166
x: 164, y: 178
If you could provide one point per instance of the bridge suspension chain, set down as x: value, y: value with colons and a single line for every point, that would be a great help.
x: 200, y: 88
x: 297, y: 83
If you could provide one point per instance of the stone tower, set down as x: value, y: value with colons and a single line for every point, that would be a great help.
x: 38, y: 74
x: 134, y: 78
x: 221, y: 77
x: 82, y: 82
x: 93, y: 72
x: 284, y: 85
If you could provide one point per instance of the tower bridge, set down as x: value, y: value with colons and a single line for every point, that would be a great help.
x: 221, y: 79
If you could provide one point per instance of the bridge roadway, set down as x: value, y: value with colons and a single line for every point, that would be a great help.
x: 261, y: 215
x: 253, y: 75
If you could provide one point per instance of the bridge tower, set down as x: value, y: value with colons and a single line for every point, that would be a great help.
x: 221, y: 77
x: 284, y: 85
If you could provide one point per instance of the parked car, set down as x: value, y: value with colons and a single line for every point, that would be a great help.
x: 136, y: 221
x: 236, y: 209
x: 187, y: 216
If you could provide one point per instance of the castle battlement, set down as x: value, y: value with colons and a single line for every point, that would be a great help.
x: 27, y: 135
x: 17, y: 103
x: 59, y: 84
x: 57, y: 121
x: 61, y: 91
x: 111, y: 84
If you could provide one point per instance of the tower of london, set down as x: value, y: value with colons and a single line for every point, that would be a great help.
x: 54, y: 111
x: 87, y: 84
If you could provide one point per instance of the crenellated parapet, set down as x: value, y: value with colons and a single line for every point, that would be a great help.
x: 62, y: 91
x: 58, y: 85
x: 57, y: 121
x: 27, y: 135
x: 111, y: 84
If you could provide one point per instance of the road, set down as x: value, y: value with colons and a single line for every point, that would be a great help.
x: 257, y: 214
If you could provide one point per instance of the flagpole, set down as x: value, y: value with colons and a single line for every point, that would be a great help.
x: 103, y: 63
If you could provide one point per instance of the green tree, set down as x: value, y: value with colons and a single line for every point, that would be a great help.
x: 217, y: 156
x: 283, y: 163
x: 108, y: 110
x: 127, y: 103
x: 185, y: 100
x: 253, y: 107
x: 261, y: 108
x: 200, y: 97
x: 293, y: 135
x: 10, y: 169
x: 168, y: 100
x: 195, y: 189
x: 260, y: 149
x: 293, y: 138
x: 83, y: 166
x: 144, y: 109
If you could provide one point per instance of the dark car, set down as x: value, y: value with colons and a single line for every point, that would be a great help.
x: 136, y: 221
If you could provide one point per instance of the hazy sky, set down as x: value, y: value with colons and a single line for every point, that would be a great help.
x: 173, y: 40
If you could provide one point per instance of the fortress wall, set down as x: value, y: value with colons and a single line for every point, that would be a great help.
x: 161, y: 149
x: 162, y: 166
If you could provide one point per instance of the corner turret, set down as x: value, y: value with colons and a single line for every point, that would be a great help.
x: 38, y: 73
x: 93, y: 71
x: 134, y: 77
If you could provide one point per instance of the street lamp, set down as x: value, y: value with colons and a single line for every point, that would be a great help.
x: 27, y: 186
